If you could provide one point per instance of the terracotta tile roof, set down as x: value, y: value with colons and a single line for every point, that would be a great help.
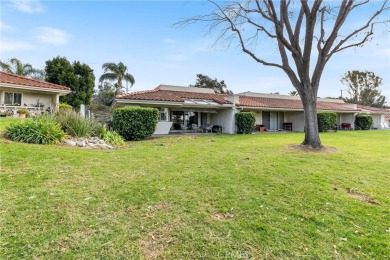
x: 249, y: 101
x: 373, y: 109
x: 13, y: 79
x: 173, y: 96
x: 245, y: 101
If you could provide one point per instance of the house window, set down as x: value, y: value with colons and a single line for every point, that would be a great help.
x: 12, y: 98
x: 163, y: 115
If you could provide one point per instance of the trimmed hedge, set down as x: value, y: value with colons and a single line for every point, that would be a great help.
x: 246, y: 122
x: 134, y: 123
x: 326, y: 121
x: 363, y: 122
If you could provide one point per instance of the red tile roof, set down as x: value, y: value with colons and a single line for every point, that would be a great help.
x: 173, y: 96
x: 13, y: 79
x: 373, y: 109
x: 244, y: 101
x: 250, y: 101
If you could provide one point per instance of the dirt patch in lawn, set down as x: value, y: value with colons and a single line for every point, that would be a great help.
x: 309, y: 149
x: 221, y: 216
x: 361, y: 196
x: 158, y: 241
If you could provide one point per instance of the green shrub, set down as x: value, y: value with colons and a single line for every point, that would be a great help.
x: 65, y: 107
x: 23, y: 111
x: 363, y: 122
x: 245, y: 122
x: 112, y: 138
x: 76, y: 125
x: 40, y: 130
x: 326, y: 121
x: 134, y: 123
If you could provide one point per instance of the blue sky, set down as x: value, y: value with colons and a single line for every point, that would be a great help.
x: 141, y: 35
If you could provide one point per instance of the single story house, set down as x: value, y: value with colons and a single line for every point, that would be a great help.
x: 187, y: 108
x: 387, y: 119
x: 37, y: 96
x: 379, y: 116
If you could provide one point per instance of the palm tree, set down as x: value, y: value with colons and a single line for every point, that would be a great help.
x: 15, y: 66
x: 116, y: 72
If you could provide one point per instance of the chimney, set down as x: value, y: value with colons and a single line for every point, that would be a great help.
x: 235, y: 99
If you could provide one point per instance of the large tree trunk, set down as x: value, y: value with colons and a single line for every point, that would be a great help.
x: 312, y: 137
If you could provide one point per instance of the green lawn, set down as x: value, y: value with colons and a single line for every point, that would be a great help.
x: 190, y: 197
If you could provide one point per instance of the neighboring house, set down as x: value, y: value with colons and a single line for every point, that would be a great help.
x: 182, y: 108
x: 37, y: 96
x: 387, y: 119
x: 378, y: 115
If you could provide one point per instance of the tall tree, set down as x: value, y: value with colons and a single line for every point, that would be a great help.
x: 117, y: 72
x: 306, y: 34
x: 105, y: 95
x: 363, y: 88
x: 77, y: 76
x: 204, y: 81
x: 15, y: 66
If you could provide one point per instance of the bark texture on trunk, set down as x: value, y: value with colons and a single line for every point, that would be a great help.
x: 312, y: 137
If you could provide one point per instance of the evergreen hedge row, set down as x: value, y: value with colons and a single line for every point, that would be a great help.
x: 246, y: 122
x: 363, y: 122
x: 135, y: 123
x: 326, y: 121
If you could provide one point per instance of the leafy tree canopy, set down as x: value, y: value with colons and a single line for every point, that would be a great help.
x: 116, y: 72
x: 77, y: 76
x: 105, y: 95
x: 15, y: 66
x: 204, y: 81
x: 363, y: 88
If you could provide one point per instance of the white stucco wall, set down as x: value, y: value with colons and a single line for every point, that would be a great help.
x: 29, y: 98
x: 296, y: 118
x: 377, y: 121
x: 226, y: 119
x: 259, y: 118
x: 346, y: 118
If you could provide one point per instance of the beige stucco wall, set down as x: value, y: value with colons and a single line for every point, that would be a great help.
x: 346, y: 118
x: 29, y: 100
x: 377, y: 121
x: 225, y: 118
x: 296, y: 118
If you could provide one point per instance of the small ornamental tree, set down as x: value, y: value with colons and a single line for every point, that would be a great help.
x: 326, y: 121
x: 363, y: 122
x: 134, y: 123
x: 245, y: 122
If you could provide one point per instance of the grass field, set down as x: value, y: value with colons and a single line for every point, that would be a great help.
x: 191, y: 197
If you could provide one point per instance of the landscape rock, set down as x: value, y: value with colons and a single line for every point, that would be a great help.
x: 81, y: 143
x: 70, y: 142
x: 88, y: 143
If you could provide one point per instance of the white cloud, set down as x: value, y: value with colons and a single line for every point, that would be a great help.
x: 14, y: 45
x: 53, y: 36
x: 168, y: 41
x: 4, y: 27
x: 28, y: 6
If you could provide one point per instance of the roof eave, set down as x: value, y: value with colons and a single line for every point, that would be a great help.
x: 150, y: 102
x: 22, y: 87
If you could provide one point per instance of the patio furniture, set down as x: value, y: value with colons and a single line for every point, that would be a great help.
x: 287, y: 126
x: 195, y: 128
x: 217, y: 129
x: 345, y: 126
x: 207, y: 128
